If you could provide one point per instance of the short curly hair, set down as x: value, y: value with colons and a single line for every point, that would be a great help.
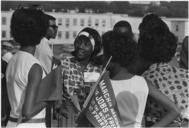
x: 121, y: 48
x: 156, y: 43
x: 28, y: 26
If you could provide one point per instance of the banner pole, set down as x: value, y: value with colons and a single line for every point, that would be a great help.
x: 96, y: 84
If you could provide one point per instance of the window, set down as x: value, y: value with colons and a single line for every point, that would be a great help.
x: 3, y: 20
x: 82, y: 22
x: 74, y: 34
x: 74, y: 22
x: 67, y: 22
x: 59, y: 21
x: 67, y: 35
x: 59, y: 34
x: 89, y: 22
x: 96, y: 22
x: 3, y: 34
x: 103, y: 23
x: 177, y: 28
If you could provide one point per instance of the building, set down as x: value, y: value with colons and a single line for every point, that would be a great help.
x: 70, y: 23
x: 5, y: 25
x: 140, y: 2
x: 179, y: 27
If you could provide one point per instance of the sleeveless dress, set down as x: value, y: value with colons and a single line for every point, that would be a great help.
x: 17, y: 79
x: 131, y: 96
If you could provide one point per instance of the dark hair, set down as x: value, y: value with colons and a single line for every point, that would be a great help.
x: 120, y: 47
x: 156, y: 43
x: 97, y: 38
x: 47, y: 18
x: 27, y: 26
x: 123, y: 24
x: 184, y: 53
x: 50, y: 17
x: 153, y: 22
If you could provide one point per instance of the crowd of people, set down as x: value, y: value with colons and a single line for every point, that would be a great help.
x: 149, y: 90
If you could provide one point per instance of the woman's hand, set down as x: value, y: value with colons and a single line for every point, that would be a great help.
x: 173, y: 110
x: 60, y: 109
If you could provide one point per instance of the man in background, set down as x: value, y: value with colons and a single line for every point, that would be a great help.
x: 45, y: 55
x: 43, y: 51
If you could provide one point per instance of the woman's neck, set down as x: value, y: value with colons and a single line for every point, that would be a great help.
x: 120, y: 73
x: 83, y: 63
x: 139, y: 66
x: 29, y: 49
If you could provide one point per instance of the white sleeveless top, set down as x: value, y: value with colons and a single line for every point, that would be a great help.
x: 131, y: 96
x: 17, y: 79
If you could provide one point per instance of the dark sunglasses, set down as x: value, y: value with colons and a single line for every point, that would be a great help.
x: 53, y: 26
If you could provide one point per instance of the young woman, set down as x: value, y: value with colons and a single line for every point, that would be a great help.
x: 80, y: 72
x: 24, y: 72
x: 157, y: 46
x: 131, y: 91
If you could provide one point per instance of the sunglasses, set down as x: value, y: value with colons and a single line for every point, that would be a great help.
x: 53, y: 26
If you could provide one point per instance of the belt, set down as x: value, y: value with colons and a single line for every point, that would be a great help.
x: 40, y: 120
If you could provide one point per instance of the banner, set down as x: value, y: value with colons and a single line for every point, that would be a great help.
x: 102, y: 110
x: 51, y: 86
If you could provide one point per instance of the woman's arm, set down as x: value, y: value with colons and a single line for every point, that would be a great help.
x: 31, y: 107
x: 173, y: 110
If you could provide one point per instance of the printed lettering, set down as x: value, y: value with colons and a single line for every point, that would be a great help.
x: 105, y: 110
x: 110, y: 104
x: 97, y: 116
x: 107, y: 115
x: 104, y: 89
x: 103, y: 105
x: 100, y: 113
x: 100, y: 101
x: 102, y: 83
x: 102, y: 124
x: 98, y: 98
x: 96, y: 92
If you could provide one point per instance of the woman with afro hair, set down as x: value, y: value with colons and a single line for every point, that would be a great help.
x: 24, y: 72
x: 157, y: 46
x: 131, y: 91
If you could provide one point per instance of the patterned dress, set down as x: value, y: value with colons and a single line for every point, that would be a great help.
x: 172, y: 82
x: 75, y: 88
